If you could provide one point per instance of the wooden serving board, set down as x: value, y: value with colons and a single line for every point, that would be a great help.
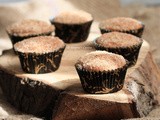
x: 59, y: 94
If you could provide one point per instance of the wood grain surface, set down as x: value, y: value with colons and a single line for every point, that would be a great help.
x: 38, y: 93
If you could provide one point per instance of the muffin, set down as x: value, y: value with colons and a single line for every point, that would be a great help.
x: 40, y: 54
x: 73, y: 26
x: 122, y: 24
x: 101, y: 72
x: 28, y: 28
x: 124, y: 44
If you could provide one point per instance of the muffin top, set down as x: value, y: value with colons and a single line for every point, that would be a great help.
x: 30, y: 27
x: 73, y: 17
x: 120, y: 24
x: 101, y: 61
x: 41, y: 44
x: 117, y: 39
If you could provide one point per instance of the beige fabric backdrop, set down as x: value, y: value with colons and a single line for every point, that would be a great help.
x: 101, y: 9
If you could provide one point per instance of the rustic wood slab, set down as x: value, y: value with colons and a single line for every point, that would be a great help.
x: 62, y: 91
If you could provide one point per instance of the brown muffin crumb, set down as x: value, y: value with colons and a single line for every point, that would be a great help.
x: 30, y: 27
x: 41, y: 44
x: 73, y: 17
x: 117, y: 39
x: 101, y: 61
x: 120, y: 24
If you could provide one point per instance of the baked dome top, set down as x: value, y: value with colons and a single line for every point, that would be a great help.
x: 117, y: 39
x: 101, y: 61
x: 73, y: 17
x: 121, y: 24
x: 41, y: 44
x: 30, y: 27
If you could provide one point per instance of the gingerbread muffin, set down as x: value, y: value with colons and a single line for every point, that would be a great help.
x: 101, y: 72
x: 40, y: 54
x: 124, y: 44
x: 28, y: 28
x: 122, y: 24
x: 72, y: 26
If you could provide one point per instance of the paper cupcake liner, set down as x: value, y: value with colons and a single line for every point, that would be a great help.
x: 129, y: 53
x: 15, y: 39
x: 40, y: 63
x: 138, y: 32
x: 72, y: 33
x: 102, y: 82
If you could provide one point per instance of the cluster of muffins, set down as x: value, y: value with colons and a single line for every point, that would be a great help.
x: 104, y: 70
x: 38, y: 50
x: 101, y: 71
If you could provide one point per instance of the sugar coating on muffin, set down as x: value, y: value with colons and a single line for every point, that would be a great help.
x: 120, y: 23
x: 73, y: 17
x: 30, y: 27
x: 101, y: 61
x: 41, y: 44
x: 117, y: 39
